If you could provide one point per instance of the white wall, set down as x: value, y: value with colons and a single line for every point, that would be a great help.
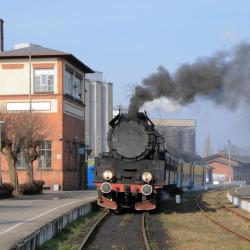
x: 41, y: 105
x: 16, y: 81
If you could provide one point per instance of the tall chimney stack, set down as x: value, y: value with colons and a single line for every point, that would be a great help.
x: 1, y: 36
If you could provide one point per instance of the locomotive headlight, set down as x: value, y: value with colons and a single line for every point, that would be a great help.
x: 147, y: 189
x: 147, y: 177
x: 106, y: 187
x: 107, y: 175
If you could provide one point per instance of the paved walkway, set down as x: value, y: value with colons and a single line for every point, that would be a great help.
x: 23, y: 215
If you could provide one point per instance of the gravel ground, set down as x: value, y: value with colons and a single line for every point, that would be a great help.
x: 158, y: 237
x: 121, y: 232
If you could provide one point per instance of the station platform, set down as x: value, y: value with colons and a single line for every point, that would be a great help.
x: 23, y: 215
x: 243, y: 191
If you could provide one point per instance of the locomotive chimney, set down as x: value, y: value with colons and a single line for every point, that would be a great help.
x: 1, y: 36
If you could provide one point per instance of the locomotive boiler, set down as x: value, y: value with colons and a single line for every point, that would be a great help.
x: 138, y: 166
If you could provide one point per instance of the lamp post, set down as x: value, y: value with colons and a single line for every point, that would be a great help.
x: 1, y: 128
x: 229, y: 159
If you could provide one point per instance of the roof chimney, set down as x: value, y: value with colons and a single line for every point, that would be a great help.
x: 1, y: 35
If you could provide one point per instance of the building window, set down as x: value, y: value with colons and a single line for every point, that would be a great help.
x: 44, y: 160
x: 21, y: 163
x: 68, y: 82
x: 77, y: 88
x: 43, y: 80
x: 73, y: 83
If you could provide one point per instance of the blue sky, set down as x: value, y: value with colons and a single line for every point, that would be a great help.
x: 128, y: 40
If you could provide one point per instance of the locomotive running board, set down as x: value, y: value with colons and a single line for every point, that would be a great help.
x: 104, y: 202
x: 145, y: 205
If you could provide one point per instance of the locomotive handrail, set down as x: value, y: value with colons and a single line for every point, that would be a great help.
x: 114, y: 120
x: 149, y: 119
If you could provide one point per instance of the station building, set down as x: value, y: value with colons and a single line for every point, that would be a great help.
x: 228, y: 169
x: 54, y: 83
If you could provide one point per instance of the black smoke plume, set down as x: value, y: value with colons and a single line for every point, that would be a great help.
x: 223, y: 78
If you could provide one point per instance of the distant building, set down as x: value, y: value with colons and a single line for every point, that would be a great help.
x: 99, y: 107
x: 179, y: 134
x: 237, y: 170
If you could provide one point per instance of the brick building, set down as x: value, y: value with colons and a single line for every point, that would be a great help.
x: 237, y: 170
x: 55, y: 81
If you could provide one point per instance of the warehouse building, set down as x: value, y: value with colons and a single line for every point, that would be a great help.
x: 99, y: 108
x: 54, y: 83
x: 179, y: 134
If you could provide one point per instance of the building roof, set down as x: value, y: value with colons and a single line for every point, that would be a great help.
x: 224, y: 158
x: 39, y: 51
x: 174, y: 122
x: 240, y: 158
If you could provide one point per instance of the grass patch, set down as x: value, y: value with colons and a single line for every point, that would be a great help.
x: 188, y: 229
x: 154, y: 245
x: 71, y: 237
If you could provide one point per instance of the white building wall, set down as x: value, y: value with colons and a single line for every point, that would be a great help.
x: 41, y: 105
x: 87, y: 111
x: 98, y: 119
x: 10, y: 77
x: 17, y: 81
x: 99, y: 106
x: 107, y: 90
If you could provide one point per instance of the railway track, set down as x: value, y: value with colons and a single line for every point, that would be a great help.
x: 115, y: 231
x: 226, y: 227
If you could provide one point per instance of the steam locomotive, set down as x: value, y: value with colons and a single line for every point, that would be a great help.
x: 139, y: 165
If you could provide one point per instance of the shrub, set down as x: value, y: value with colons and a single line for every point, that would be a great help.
x: 35, y: 187
x: 6, y: 190
x: 39, y: 185
x: 27, y: 188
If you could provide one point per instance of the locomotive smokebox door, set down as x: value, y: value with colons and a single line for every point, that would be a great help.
x: 131, y: 139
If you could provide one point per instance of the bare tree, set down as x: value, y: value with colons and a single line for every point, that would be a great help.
x: 35, y: 130
x: 11, y: 143
x: 208, y: 150
x: 22, y: 132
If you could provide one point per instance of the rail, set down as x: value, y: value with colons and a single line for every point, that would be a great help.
x: 230, y: 209
x: 240, y: 236
x: 144, y: 234
x: 92, y: 230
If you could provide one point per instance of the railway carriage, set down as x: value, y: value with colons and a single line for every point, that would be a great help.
x: 139, y: 165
